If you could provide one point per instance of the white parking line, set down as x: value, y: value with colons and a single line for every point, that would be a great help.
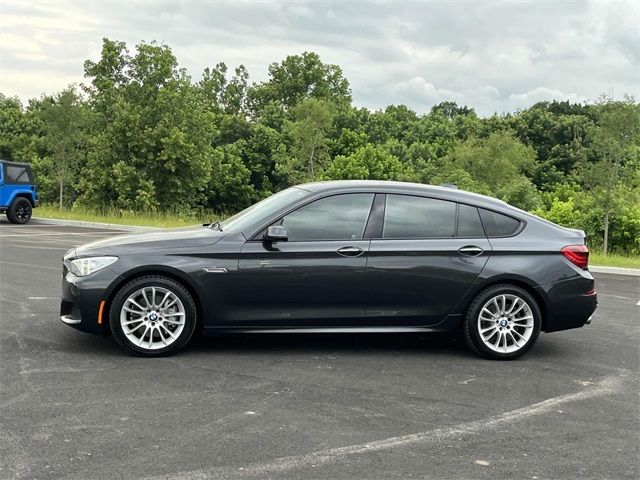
x: 57, y: 234
x: 610, y: 385
x: 619, y: 297
x: 59, y: 269
x: 24, y: 227
x: 61, y: 248
x: 53, y: 240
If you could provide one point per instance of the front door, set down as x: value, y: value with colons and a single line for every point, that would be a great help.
x: 316, y: 277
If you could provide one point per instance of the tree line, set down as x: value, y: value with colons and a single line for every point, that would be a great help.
x: 141, y: 135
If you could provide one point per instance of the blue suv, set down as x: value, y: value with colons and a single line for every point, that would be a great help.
x: 18, y: 193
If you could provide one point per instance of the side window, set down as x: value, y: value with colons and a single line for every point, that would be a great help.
x: 16, y: 175
x: 498, y: 225
x: 407, y: 216
x: 340, y: 217
x: 469, y: 224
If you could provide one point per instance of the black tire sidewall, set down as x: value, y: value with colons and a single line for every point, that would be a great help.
x: 11, y: 212
x: 149, y: 281
x: 472, y: 335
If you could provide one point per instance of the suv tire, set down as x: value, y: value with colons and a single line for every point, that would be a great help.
x: 19, y: 211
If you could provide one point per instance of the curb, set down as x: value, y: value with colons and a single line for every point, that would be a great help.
x: 104, y: 226
x: 634, y: 272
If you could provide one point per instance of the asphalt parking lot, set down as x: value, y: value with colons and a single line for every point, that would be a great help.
x: 72, y: 405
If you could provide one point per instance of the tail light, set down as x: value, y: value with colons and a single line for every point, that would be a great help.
x: 576, y: 254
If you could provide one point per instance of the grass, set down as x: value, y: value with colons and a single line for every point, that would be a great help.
x: 148, y: 219
x: 160, y: 219
x: 614, y: 260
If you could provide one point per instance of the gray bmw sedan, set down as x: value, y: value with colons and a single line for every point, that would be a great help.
x: 344, y: 256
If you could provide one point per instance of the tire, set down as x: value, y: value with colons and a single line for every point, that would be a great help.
x: 20, y: 211
x: 159, y: 307
x: 502, y: 322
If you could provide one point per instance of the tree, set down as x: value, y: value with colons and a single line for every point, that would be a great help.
x: 298, y: 78
x: 225, y: 95
x: 500, y: 162
x: 152, y: 132
x: 615, y: 147
x: 18, y: 131
x: 230, y: 187
x: 64, y: 118
x: 451, y: 110
x: 308, y: 140
x: 367, y: 163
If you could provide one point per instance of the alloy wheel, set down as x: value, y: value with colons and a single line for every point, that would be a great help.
x: 152, y: 317
x: 505, y: 323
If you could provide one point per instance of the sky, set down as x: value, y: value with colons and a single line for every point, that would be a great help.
x: 494, y: 56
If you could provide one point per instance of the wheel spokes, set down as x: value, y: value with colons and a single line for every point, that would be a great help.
x: 498, y: 327
x: 153, y: 317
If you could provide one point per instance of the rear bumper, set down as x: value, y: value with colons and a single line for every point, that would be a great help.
x: 569, y: 303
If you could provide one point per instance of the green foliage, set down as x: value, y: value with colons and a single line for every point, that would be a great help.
x: 307, y: 139
x: 298, y: 78
x: 498, y: 165
x: 367, y: 163
x: 64, y: 118
x: 152, y: 144
x: 141, y: 136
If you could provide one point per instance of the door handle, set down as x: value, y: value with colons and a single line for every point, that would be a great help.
x: 350, y: 251
x: 470, y: 250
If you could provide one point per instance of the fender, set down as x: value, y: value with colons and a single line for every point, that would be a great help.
x: 194, y: 288
x: 483, y: 282
x: 15, y: 191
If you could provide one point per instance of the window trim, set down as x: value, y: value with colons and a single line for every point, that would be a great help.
x: 257, y: 237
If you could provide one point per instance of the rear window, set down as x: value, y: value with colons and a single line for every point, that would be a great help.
x: 16, y: 174
x: 406, y: 216
x: 469, y: 224
x: 498, y: 225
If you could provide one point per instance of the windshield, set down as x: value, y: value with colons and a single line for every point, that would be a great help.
x: 261, y: 211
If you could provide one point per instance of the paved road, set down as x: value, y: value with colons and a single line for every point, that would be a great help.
x: 306, y: 407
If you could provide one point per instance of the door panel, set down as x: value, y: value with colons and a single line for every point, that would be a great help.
x: 300, y: 284
x: 418, y: 281
x: 316, y: 278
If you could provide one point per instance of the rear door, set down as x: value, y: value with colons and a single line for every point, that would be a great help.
x: 316, y: 278
x: 427, y: 255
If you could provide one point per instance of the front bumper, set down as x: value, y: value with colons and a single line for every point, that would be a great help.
x: 81, y: 298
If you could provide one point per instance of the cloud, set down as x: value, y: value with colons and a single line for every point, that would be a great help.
x: 494, y: 56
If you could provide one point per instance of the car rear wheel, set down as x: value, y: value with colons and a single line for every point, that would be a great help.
x: 19, y: 211
x: 153, y: 316
x: 502, y: 322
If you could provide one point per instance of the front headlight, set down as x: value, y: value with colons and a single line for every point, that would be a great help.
x: 85, y: 266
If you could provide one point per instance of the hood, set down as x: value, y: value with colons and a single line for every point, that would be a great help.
x: 195, y: 237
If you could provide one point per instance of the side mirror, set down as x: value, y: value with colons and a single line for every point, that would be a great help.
x: 276, y: 233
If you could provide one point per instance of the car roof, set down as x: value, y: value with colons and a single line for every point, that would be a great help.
x: 384, y: 186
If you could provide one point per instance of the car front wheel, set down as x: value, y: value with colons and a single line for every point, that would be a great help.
x: 153, y: 316
x: 502, y: 322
